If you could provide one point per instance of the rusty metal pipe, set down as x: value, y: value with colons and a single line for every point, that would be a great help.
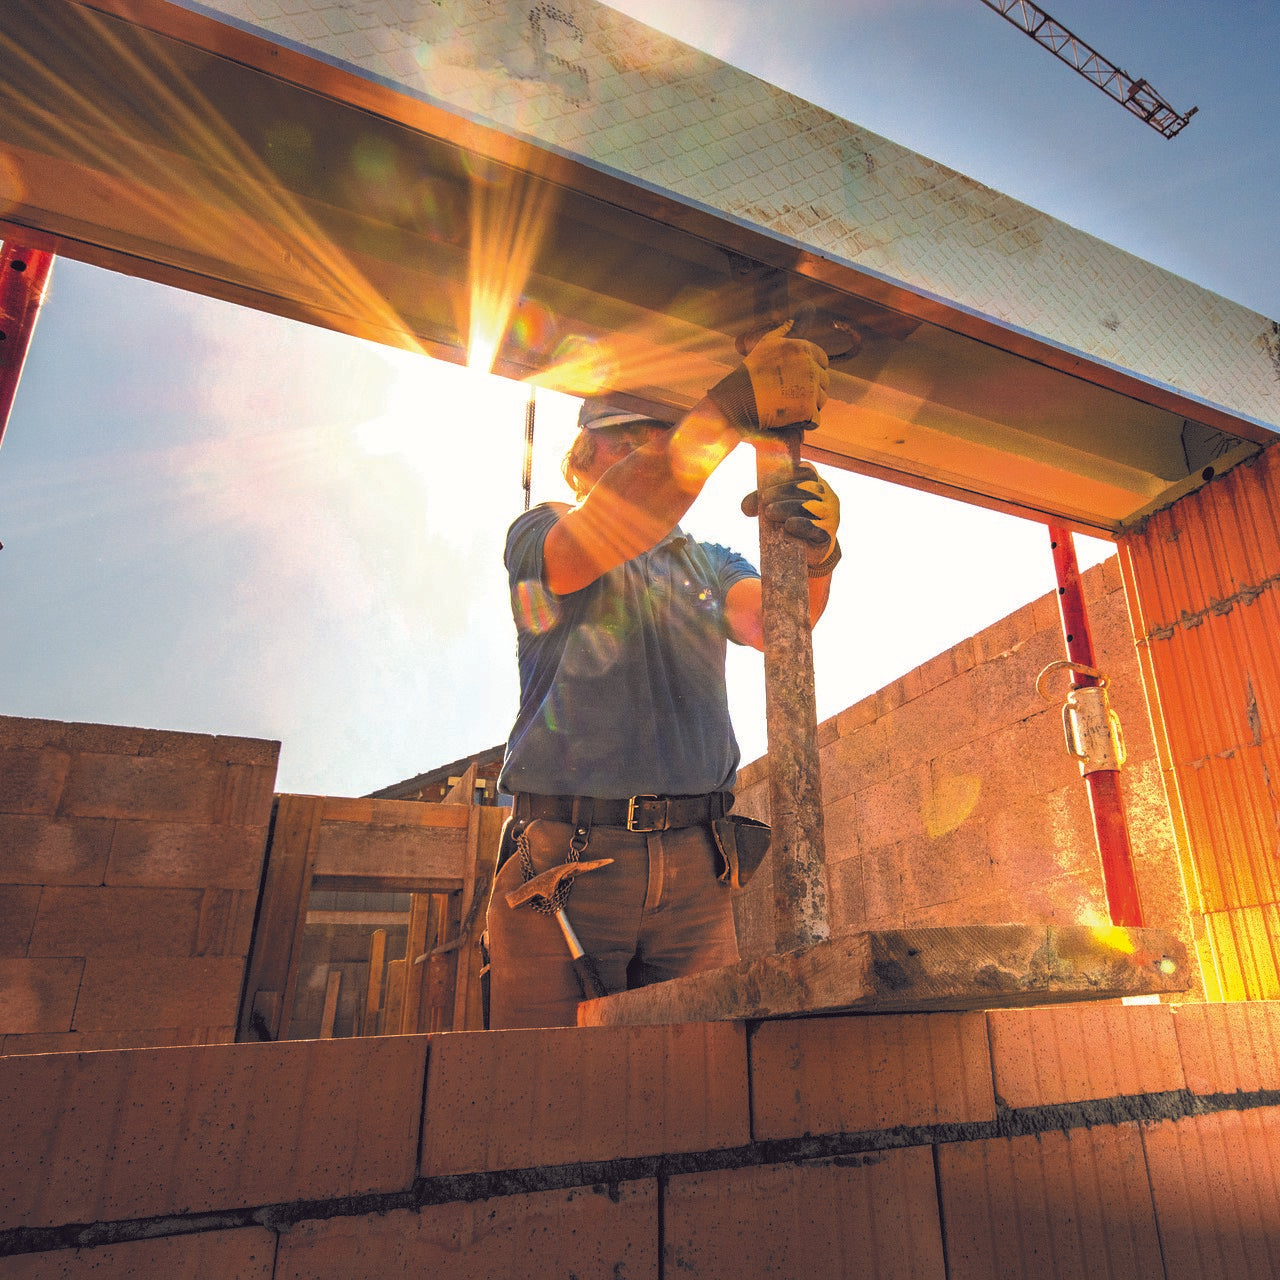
x: 800, y: 897
x: 1105, y: 801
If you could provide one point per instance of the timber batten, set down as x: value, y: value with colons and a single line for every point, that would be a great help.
x: 915, y: 970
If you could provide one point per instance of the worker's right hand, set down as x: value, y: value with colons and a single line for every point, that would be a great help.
x: 782, y: 383
x: 804, y: 504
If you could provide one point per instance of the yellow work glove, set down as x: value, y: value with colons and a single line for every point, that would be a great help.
x: 807, y: 508
x: 782, y: 383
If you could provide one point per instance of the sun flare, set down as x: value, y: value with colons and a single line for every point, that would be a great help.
x: 441, y: 421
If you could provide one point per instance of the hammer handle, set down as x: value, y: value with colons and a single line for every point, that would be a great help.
x: 584, y: 967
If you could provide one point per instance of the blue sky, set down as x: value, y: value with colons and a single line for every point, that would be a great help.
x: 218, y: 521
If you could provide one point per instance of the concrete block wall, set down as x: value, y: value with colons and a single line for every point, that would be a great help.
x: 1074, y: 1141
x: 950, y: 799
x: 130, y: 861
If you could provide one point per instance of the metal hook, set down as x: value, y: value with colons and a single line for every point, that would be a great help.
x: 1063, y: 663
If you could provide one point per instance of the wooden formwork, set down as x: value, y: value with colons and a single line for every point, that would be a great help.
x: 438, y: 856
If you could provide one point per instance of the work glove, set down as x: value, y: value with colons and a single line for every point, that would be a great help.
x: 806, y: 507
x: 782, y: 383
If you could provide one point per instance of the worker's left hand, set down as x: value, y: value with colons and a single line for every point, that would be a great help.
x: 805, y: 506
x: 783, y: 382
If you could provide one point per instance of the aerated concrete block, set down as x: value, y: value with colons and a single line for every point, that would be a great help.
x: 847, y: 1075
x: 585, y: 1231
x: 39, y: 849
x: 1229, y: 1048
x: 1083, y: 1052
x: 168, y: 991
x: 860, y: 1215
x: 1074, y: 1205
x: 245, y: 1253
x: 32, y: 780
x: 1216, y: 1183
x: 38, y: 995
x: 147, y: 1132
x: 515, y: 1099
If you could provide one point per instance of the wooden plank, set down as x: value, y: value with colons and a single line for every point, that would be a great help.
x: 482, y: 858
x: 437, y: 926
x: 266, y: 1009
x: 915, y: 970
x: 373, y: 988
x: 277, y: 936
x: 375, y: 918
x: 415, y: 945
x: 393, y: 1013
x: 466, y: 909
x: 464, y: 790
x: 368, y: 849
x: 306, y: 819
x: 392, y: 813
x: 387, y: 884
x: 440, y: 964
x: 331, y: 988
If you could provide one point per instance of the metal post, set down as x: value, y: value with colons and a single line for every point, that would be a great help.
x: 791, y: 717
x: 1104, y: 785
x: 24, y: 273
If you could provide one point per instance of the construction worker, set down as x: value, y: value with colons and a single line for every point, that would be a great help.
x: 622, y: 759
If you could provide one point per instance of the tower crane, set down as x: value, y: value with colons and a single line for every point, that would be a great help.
x: 1134, y: 95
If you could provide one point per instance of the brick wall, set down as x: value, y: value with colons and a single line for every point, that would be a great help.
x: 1078, y: 1141
x: 130, y: 861
x: 950, y: 799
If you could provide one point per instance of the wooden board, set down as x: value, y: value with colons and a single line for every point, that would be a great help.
x: 333, y: 986
x: 373, y: 984
x: 393, y: 1010
x: 482, y: 855
x: 277, y: 936
x: 910, y: 970
x: 415, y: 945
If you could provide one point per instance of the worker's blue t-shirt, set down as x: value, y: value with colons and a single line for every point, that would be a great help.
x: 622, y: 684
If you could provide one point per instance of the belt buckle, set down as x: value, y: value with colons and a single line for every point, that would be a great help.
x: 631, y: 814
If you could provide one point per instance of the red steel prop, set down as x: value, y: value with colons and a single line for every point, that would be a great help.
x: 1104, y: 784
x: 24, y: 273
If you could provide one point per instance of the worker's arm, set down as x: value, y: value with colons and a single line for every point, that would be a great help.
x: 638, y: 500
x: 743, y: 614
x: 642, y: 496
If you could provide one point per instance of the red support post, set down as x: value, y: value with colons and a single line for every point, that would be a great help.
x: 24, y: 274
x: 1104, y: 784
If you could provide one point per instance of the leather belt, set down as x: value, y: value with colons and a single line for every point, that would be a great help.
x: 637, y: 813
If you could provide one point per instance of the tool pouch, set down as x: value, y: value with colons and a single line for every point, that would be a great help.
x: 742, y: 845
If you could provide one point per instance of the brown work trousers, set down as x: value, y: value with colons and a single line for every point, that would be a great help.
x: 657, y: 913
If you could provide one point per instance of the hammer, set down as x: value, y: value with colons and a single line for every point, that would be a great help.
x: 544, y: 886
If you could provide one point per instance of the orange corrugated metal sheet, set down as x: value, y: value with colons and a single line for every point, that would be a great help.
x: 1204, y: 584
